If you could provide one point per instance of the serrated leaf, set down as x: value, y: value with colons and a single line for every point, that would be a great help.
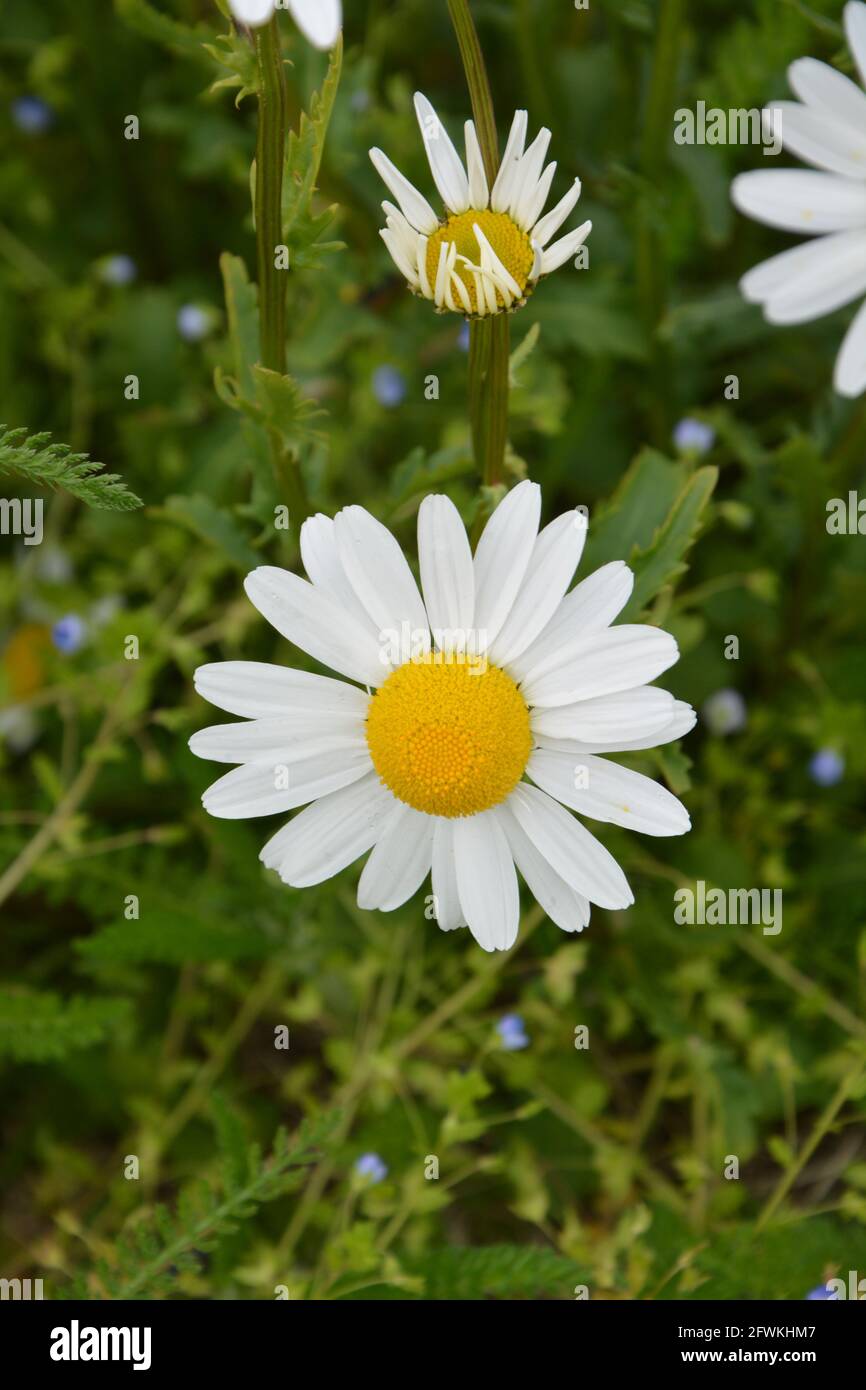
x: 37, y: 1026
x: 44, y: 464
x: 662, y: 563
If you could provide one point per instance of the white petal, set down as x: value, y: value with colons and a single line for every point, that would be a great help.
x: 819, y: 85
x: 819, y: 139
x: 449, y: 913
x: 795, y: 267
x: 330, y: 834
x: 400, y: 861
x: 257, y: 789
x: 502, y: 556
x: 257, y: 690
x: 413, y: 205
x: 486, y: 881
x: 681, y: 721
x: 569, y: 848
x: 318, y: 20
x: 447, y: 576
x: 404, y: 232
x: 316, y: 623
x: 801, y: 200
x: 591, y: 607
x: 557, y: 254
x: 379, y: 573
x: 566, y: 908
x: 252, y: 12
x: 446, y: 166
x: 282, y: 740
x: 635, y: 713
x: 609, y: 661
x: 555, y: 556
x: 526, y: 177
x: 553, y: 220
x: 404, y: 263
x: 500, y: 195
x: 849, y: 377
x: 322, y: 563
x: 855, y: 31
x: 478, y: 190
x: 614, y: 794
x: 837, y: 275
x: 531, y: 210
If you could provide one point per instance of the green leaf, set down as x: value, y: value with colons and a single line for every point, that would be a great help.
x: 663, y: 562
x: 497, y: 1271
x: 304, y: 150
x: 161, y: 28
x: 37, y: 1026
x: 651, y: 522
x: 242, y: 314
x: 44, y: 464
x: 214, y: 525
x: 172, y: 937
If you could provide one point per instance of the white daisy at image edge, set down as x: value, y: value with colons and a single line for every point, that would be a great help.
x: 462, y: 761
x: 827, y: 129
x: 492, y: 248
x: 318, y: 20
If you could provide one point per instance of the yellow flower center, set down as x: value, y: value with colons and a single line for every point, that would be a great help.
x: 449, y: 736
x: 511, y: 245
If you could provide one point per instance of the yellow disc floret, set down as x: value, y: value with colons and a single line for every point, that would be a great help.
x: 449, y: 735
x: 511, y: 245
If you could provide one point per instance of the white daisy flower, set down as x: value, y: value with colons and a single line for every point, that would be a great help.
x: 318, y: 20
x: 495, y: 697
x: 827, y: 129
x: 493, y: 246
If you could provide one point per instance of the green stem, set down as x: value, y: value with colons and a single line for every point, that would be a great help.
x: 824, y: 1122
x: 479, y: 85
x: 270, y: 159
x: 488, y: 394
x: 650, y: 251
x: 488, y: 336
x: 270, y: 155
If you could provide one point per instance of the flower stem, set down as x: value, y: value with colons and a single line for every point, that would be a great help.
x: 650, y: 256
x: 488, y: 336
x: 270, y: 159
x: 270, y: 155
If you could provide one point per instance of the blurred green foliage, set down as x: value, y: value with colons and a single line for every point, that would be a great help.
x: 153, y: 1036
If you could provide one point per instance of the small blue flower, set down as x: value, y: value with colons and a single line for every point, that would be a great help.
x: 118, y: 270
x: 512, y: 1032
x: 463, y: 337
x: 68, y: 634
x: 389, y: 387
x: 693, y: 436
x: 193, y: 322
x: 371, y: 1167
x: 725, y: 712
x: 827, y: 767
x: 32, y: 115
x: 821, y: 1294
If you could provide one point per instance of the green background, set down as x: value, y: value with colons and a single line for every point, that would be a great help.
x: 155, y: 1037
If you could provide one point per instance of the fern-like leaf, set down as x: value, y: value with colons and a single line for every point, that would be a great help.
x: 35, y: 459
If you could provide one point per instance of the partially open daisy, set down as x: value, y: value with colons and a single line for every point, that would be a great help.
x: 493, y: 697
x: 826, y: 128
x: 492, y: 247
